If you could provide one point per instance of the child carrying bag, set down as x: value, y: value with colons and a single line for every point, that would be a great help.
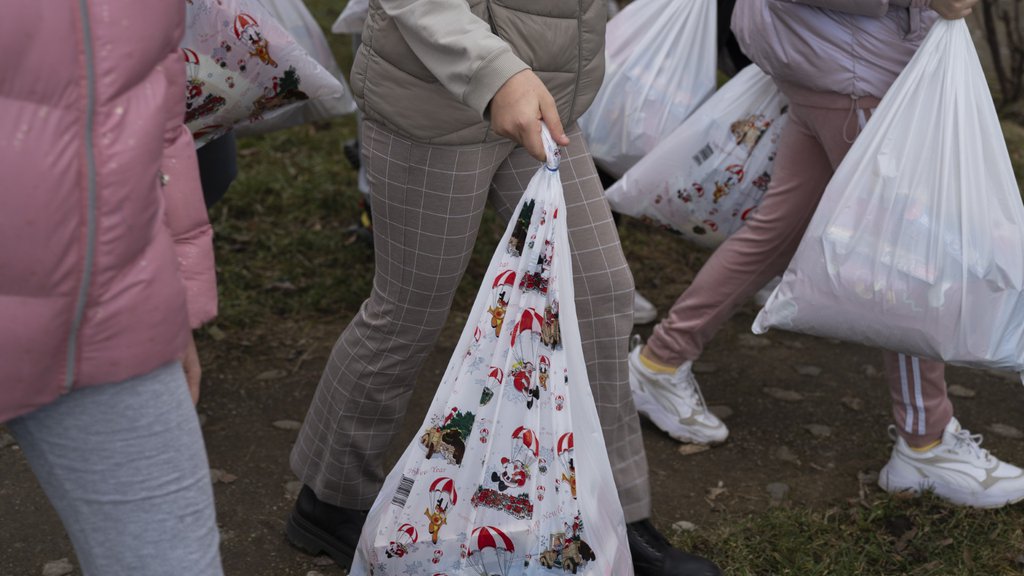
x: 509, y: 473
x: 917, y: 245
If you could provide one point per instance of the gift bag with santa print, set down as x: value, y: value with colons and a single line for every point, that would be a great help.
x: 296, y: 19
x: 243, y: 67
x: 660, y: 63
x: 917, y: 245
x: 708, y: 176
x: 508, y: 475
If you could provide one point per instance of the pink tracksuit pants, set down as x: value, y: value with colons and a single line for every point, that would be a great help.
x: 819, y: 133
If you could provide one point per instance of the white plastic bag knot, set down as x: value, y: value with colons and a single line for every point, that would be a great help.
x: 551, y: 149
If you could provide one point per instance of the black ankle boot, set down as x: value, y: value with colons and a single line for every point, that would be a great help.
x: 316, y: 527
x: 653, y: 555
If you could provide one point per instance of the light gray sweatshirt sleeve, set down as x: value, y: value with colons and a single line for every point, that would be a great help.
x: 457, y: 47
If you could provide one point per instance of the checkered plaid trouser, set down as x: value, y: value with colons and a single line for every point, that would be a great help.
x: 427, y: 204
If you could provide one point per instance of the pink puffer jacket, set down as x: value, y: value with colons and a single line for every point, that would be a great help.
x: 97, y: 256
x: 851, y: 47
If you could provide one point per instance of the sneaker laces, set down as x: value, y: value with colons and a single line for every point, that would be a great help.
x: 973, y: 443
x: 688, y: 384
x: 683, y: 379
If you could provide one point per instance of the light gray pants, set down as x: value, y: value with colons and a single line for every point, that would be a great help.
x: 427, y: 205
x: 125, y: 467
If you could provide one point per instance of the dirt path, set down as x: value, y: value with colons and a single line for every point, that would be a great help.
x: 811, y: 448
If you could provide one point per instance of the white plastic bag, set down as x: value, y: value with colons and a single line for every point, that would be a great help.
x: 243, y: 67
x: 352, y: 17
x: 708, y: 176
x: 295, y: 18
x: 917, y: 245
x: 660, y: 62
x: 509, y: 475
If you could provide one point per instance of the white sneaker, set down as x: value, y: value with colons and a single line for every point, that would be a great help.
x: 643, y: 311
x: 673, y: 402
x: 958, y: 470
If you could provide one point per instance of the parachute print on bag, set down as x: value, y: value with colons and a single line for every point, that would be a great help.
x: 490, y: 485
x: 708, y: 177
x: 242, y: 66
x: 295, y: 18
x: 707, y: 216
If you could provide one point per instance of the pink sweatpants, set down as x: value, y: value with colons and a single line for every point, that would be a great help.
x: 820, y: 131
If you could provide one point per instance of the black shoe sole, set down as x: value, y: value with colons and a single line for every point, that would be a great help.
x: 306, y: 537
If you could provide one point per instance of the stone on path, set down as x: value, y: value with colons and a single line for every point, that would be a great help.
x: 716, y: 491
x: 751, y: 341
x: 216, y: 333
x: 782, y: 394
x: 272, y: 374
x: 287, y: 425
x: 292, y: 488
x: 218, y: 476
x: 323, y: 560
x: 807, y: 370
x: 690, y: 449
x: 786, y: 454
x: 818, y: 430
x: 867, y: 478
x: 961, y: 391
x: 721, y: 410
x: 684, y: 526
x: 1006, y: 431
x: 853, y: 403
x: 870, y: 371
x: 314, y: 573
x: 778, y: 491
x: 60, y: 567
x: 6, y: 440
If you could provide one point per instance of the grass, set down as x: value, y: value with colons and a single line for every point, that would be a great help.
x: 284, y: 257
x: 879, y: 536
x: 282, y: 247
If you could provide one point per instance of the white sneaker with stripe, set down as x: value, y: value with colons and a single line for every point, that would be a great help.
x: 673, y: 402
x: 958, y: 469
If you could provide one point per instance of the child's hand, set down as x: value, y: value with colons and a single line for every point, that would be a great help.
x: 953, y: 9
x: 519, y: 107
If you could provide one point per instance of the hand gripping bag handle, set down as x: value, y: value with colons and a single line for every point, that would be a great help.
x: 551, y: 149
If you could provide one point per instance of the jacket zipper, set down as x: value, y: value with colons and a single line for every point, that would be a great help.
x: 579, y: 60
x: 90, y: 159
x: 490, y: 19
x: 579, y: 49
